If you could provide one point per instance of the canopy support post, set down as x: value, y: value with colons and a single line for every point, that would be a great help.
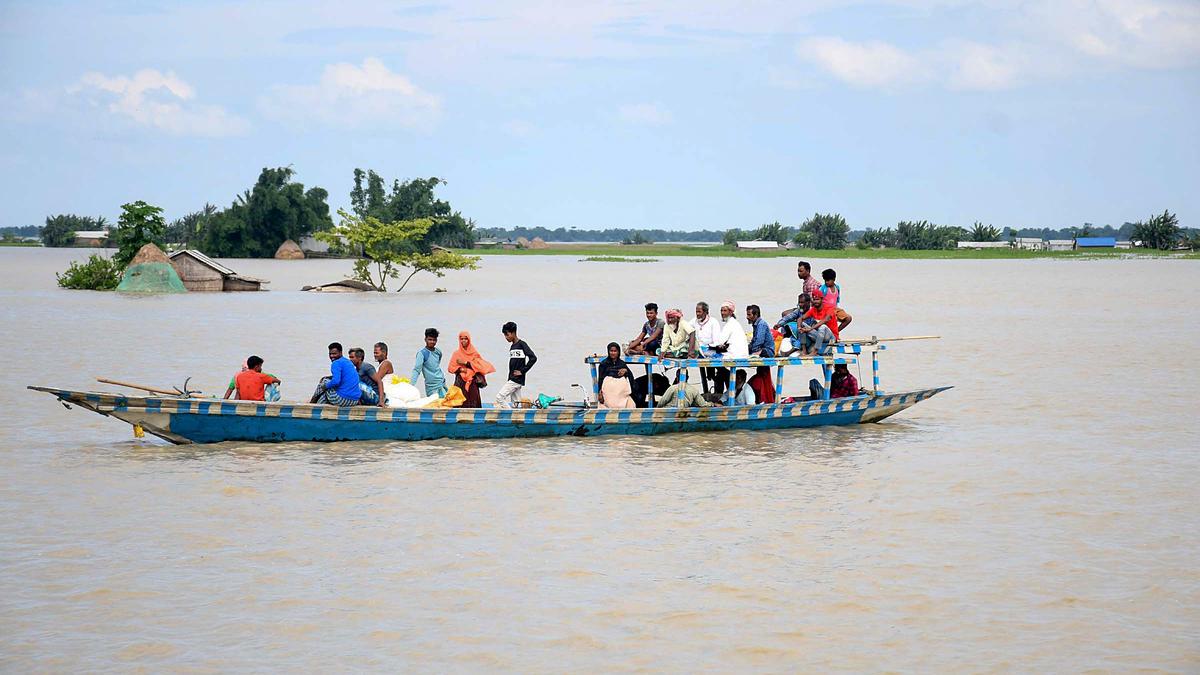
x: 649, y: 386
x: 828, y: 380
x: 875, y: 369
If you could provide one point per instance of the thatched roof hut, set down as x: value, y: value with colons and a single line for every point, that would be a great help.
x: 289, y: 250
x: 150, y: 271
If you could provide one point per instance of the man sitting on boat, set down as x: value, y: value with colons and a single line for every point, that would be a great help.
x: 369, y: 394
x: 381, y: 371
x: 685, y: 395
x: 341, y: 386
x: 650, y: 339
x: 252, y: 382
x: 788, y: 324
x: 818, y: 327
x: 842, y: 384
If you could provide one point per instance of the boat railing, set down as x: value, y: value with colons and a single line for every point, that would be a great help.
x: 840, y: 353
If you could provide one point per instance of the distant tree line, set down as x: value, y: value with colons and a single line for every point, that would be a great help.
x: 615, y: 234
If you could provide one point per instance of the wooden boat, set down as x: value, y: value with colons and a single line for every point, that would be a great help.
x: 196, y: 420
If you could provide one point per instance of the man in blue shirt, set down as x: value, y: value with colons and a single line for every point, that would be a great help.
x: 762, y: 344
x: 340, y: 388
x: 429, y: 364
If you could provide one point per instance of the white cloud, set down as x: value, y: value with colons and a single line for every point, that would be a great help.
x: 862, y: 64
x: 972, y: 65
x: 1138, y: 33
x: 647, y: 114
x: 158, y: 100
x: 348, y: 95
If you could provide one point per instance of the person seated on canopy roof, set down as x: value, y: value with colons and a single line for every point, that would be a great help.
x: 341, y: 386
x: 818, y: 327
x: 384, y: 369
x: 649, y: 339
x: 679, y: 336
x: 614, y: 380
x: 788, y: 324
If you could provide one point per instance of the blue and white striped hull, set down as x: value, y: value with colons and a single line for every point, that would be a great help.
x: 182, y: 420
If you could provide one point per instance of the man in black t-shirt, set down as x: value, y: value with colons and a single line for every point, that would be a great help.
x: 520, y: 359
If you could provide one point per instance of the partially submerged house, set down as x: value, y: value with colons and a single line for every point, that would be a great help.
x: 984, y: 244
x: 91, y: 238
x: 1060, y: 244
x: 201, y: 273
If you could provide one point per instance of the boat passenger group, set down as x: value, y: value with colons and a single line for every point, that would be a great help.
x: 807, y: 329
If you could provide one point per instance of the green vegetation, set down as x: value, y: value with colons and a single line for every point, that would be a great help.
x: 389, y: 247
x: 260, y: 219
x: 617, y: 258
x: 823, y: 231
x: 98, y: 273
x: 1160, y: 231
x: 60, y: 230
x: 981, y: 232
x: 18, y: 242
x: 190, y: 229
x: 411, y: 200
x: 140, y: 224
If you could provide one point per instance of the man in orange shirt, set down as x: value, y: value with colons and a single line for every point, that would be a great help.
x: 252, y: 381
x: 818, y: 326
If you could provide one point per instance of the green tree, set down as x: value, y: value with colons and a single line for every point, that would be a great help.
x: 733, y: 235
x: 411, y: 200
x: 140, y: 224
x: 1160, y: 231
x: 60, y: 230
x: 392, y: 249
x: 190, y: 228
x: 261, y: 218
x: 772, y: 232
x: 882, y: 238
x: 827, y: 231
x: 97, y: 274
x: 923, y: 235
x: 981, y: 232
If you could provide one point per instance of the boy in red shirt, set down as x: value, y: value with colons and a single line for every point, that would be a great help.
x: 252, y: 381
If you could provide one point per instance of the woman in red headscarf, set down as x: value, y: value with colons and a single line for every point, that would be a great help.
x: 469, y: 368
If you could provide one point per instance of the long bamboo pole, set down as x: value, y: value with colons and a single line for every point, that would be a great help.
x: 153, y: 390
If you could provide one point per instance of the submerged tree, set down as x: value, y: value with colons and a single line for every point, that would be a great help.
x: 140, y: 224
x: 410, y: 200
x: 190, y: 228
x: 260, y: 219
x: 395, y: 249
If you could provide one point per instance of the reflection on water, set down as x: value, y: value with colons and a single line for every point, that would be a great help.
x: 1042, y: 513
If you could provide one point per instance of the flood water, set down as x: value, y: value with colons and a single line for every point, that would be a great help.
x: 1040, y: 516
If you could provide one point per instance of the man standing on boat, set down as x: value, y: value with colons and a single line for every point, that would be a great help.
x: 429, y: 364
x: 341, y: 387
x: 762, y: 344
x: 708, y: 333
x: 520, y: 359
x: 731, y: 344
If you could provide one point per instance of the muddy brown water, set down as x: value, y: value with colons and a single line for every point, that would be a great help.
x: 1040, y: 516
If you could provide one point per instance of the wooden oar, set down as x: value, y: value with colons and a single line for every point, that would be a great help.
x: 893, y: 339
x: 153, y: 390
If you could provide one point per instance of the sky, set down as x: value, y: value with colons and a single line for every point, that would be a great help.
x: 704, y: 114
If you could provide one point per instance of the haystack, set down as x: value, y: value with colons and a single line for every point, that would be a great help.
x: 289, y: 250
x: 150, y: 271
x: 522, y: 242
x: 538, y: 242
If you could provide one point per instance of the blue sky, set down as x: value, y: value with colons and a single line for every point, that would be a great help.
x: 688, y: 115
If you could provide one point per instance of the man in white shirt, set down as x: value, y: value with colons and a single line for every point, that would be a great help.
x: 708, y: 333
x: 731, y: 344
